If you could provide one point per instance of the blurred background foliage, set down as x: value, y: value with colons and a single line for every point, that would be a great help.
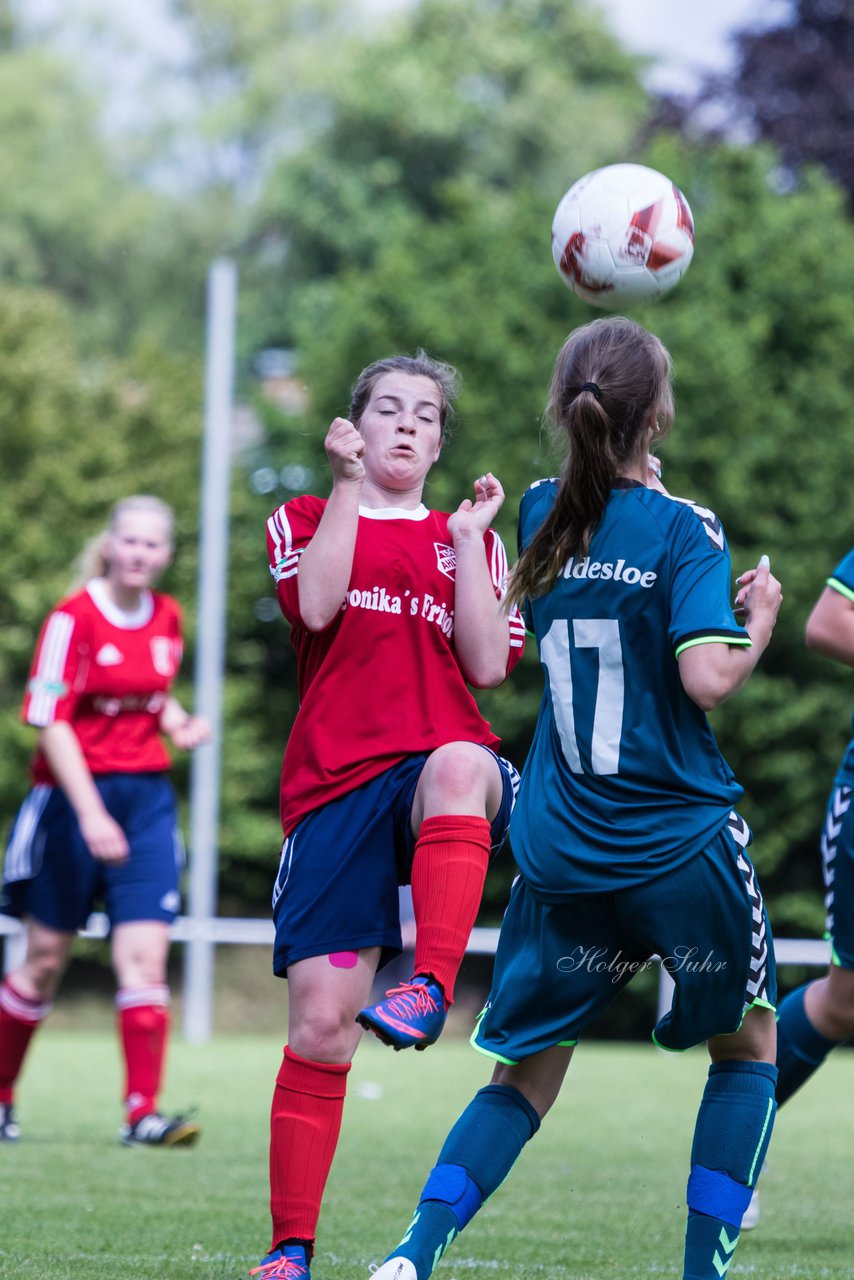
x: 388, y: 182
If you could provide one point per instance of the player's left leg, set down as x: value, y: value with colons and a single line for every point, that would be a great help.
x: 463, y: 794
x: 476, y: 1157
x: 139, y: 950
x: 711, y: 926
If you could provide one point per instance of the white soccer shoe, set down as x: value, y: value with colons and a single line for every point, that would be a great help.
x: 395, y: 1269
x: 752, y: 1213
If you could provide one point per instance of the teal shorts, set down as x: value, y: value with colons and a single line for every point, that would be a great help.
x: 559, y: 965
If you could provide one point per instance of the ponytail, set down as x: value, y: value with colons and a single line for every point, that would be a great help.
x: 610, y: 379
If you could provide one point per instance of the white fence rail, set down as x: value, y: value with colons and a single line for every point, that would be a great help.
x: 235, y: 930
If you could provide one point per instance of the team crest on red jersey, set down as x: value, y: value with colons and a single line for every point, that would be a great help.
x: 446, y: 559
x: 163, y: 655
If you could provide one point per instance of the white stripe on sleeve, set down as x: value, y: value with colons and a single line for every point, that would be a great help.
x: 48, y: 682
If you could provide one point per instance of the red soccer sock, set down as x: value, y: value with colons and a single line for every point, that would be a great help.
x: 305, y: 1121
x: 19, y: 1018
x: 144, y: 1030
x: 448, y: 871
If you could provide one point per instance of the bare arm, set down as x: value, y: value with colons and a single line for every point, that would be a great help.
x: 712, y: 672
x: 327, y: 562
x: 481, y: 628
x: 830, y: 627
x: 103, y: 835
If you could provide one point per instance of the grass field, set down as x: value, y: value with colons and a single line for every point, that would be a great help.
x: 598, y: 1195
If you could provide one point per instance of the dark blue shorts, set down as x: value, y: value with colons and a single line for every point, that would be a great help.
x: 50, y: 875
x: 837, y: 856
x: 336, y: 889
x: 559, y: 965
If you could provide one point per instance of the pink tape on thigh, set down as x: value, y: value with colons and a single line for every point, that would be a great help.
x: 344, y: 959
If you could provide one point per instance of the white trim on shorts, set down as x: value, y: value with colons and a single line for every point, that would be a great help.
x: 21, y: 858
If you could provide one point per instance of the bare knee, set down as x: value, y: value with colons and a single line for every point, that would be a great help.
x: 323, y: 1000
x: 326, y: 1033
x: 457, y: 778
x: 140, y: 952
x: 755, y: 1040
x: 539, y: 1078
x: 40, y: 974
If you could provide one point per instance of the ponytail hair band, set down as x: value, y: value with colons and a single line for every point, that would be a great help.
x: 593, y: 388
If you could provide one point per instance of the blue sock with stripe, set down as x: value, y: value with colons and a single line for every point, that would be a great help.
x: 800, y: 1048
x: 477, y: 1156
x: 731, y: 1137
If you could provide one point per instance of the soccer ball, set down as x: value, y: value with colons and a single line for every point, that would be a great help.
x: 622, y: 234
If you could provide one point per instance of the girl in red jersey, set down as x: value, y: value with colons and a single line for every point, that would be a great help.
x: 390, y: 772
x: 100, y: 820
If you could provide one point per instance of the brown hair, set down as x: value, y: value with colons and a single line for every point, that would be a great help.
x: 611, y: 381
x: 92, y: 561
x: 445, y: 376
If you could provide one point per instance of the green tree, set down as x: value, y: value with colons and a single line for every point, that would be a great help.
x: 75, y: 216
x: 789, y: 86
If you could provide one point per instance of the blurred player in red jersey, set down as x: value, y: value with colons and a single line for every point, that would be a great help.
x: 100, y: 820
x: 390, y: 772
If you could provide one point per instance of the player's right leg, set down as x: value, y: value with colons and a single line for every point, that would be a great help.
x: 26, y: 997
x: 49, y: 878
x: 707, y: 920
x: 325, y: 993
x: 476, y: 1157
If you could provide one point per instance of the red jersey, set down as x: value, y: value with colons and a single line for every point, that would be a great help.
x: 107, y: 674
x: 382, y: 681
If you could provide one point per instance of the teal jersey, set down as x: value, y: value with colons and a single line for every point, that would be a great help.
x: 842, y: 580
x: 624, y: 779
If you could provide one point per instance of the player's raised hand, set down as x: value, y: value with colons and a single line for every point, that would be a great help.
x: 344, y: 449
x: 760, y: 595
x: 476, y: 517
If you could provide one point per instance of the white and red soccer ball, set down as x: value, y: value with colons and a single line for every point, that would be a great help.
x: 622, y: 234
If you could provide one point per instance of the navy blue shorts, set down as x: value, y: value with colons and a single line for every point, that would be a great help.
x: 50, y: 875
x: 336, y: 889
x: 837, y: 857
x: 559, y: 965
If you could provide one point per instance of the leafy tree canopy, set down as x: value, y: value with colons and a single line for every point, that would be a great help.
x: 791, y: 86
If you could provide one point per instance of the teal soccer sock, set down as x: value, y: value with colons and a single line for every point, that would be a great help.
x: 477, y: 1156
x: 800, y: 1048
x: 731, y: 1137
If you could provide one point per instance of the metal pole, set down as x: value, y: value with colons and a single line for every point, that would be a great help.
x: 210, y: 641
